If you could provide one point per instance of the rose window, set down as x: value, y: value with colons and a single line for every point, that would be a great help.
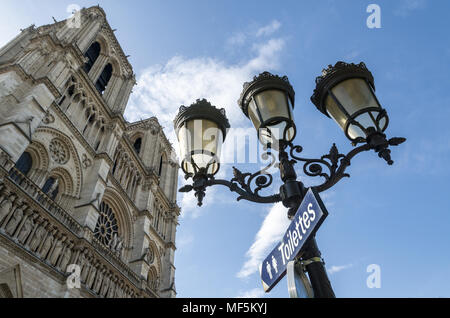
x: 106, y: 228
x: 58, y: 151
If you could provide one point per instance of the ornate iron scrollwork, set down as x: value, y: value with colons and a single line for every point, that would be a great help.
x: 247, y: 185
x: 332, y: 167
x: 337, y: 163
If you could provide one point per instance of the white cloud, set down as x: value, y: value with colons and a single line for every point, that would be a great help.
x: 269, y: 235
x: 184, y: 240
x: 254, y: 293
x: 237, y: 39
x: 336, y: 269
x: 353, y: 55
x: 240, y: 38
x: 269, y: 29
x: 162, y: 89
x: 188, y: 203
x: 408, y: 6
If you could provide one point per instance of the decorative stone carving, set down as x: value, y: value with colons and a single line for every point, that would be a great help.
x: 65, y: 259
x: 119, y: 290
x: 56, y: 251
x: 59, y: 152
x: 25, y: 230
x: 38, y: 237
x: 86, y: 161
x: 99, y: 280
x: 15, y: 220
x: 48, y: 119
x: 119, y: 247
x: 91, y: 276
x: 149, y: 256
x: 84, y: 265
x: 47, y: 245
x: 6, y: 207
x: 112, y: 287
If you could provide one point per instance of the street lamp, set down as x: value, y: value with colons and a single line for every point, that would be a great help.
x: 344, y: 92
x: 269, y: 102
x: 201, y: 130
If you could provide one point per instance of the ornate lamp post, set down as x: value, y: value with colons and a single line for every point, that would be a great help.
x: 344, y: 92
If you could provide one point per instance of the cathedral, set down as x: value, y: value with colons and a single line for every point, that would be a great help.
x: 87, y: 199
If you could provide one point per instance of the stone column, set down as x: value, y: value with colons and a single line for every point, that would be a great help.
x: 112, y: 91
x: 88, y: 34
x: 98, y: 67
x: 86, y: 212
x: 122, y: 99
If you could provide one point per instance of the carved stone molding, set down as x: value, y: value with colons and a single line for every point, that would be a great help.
x: 86, y: 161
x: 48, y: 119
x: 59, y: 152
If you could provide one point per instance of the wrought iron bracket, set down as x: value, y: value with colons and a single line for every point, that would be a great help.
x: 249, y: 185
x: 337, y: 163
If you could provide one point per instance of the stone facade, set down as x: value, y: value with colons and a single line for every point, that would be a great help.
x: 79, y: 185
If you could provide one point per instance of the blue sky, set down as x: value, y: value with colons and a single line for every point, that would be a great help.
x: 396, y: 217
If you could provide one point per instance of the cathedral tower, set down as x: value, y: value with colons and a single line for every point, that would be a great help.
x: 80, y: 187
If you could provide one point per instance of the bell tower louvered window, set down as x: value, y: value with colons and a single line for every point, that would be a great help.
x: 104, y: 79
x: 137, y: 145
x: 92, y: 54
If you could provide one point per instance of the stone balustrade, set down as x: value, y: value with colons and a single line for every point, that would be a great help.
x: 36, y: 223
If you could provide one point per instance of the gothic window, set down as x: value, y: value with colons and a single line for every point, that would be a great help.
x: 71, y: 90
x: 89, y: 123
x: 115, y: 166
x: 160, y: 166
x: 92, y: 55
x: 106, y: 225
x: 5, y: 291
x: 102, y: 132
x: 62, y: 100
x: 24, y: 163
x: 104, y: 79
x: 51, y: 188
x: 137, y: 145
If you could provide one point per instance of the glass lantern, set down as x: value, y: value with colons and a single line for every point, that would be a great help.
x: 269, y: 102
x: 201, y: 130
x: 346, y: 93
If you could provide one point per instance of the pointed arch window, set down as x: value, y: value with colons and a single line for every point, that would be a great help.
x: 104, y: 78
x: 99, y: 138
x: 90, y: 122
x: 115, y: 166
x: 92, y: 55
x: 137, y: 145
x: 161, y: 161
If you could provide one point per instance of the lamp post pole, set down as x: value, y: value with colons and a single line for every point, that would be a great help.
x: 294, y: 192
x: 317, y: 272
x: 344, y: 92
